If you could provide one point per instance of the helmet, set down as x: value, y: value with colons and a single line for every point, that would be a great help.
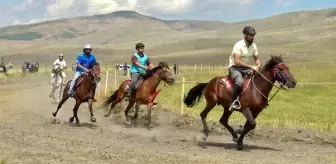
x: 87, y: 46
x: 139, y: 45
x: 249, y: 30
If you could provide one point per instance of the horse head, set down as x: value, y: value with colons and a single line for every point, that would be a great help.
x: 280, y: 71
x: 95, y: 73
x: 165, y: 74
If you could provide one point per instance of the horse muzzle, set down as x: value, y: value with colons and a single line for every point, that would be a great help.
x: 171, y: 81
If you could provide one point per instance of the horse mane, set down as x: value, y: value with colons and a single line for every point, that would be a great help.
x: 152, y: 71
x: 272, y: 62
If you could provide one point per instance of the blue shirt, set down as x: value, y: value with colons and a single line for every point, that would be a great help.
x: 142, y: 61
x: 85, y: 61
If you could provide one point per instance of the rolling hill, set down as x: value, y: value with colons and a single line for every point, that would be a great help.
x: 303, y: 35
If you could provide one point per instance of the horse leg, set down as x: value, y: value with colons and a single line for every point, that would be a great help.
x: 65, y: 97
x: 128, y: 108
x: 75, y: 112
x: 93, y: 119
x: 114, y: 103
x: 209, y: 106
x: 149, y: 124
x: 136, y: 113
x: 224, y: 121
x: 249, y: 125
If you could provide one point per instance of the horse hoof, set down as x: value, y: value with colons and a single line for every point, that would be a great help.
x: 235, y: 139
x: 107, y: 115
x: 54, y: 114
x: 71, y: 119
x: 240, y: 147
x: 135, y: 117
x: 93, y: 119
x: 150, y: 126
x: 205, y: 137
x: 128, y: 124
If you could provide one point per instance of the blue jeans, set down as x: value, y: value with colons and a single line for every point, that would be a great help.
x: 73, y: 82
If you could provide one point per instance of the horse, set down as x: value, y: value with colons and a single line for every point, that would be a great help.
x: 83, y: 92
x: 253, y: 98
x: 144, y: 94
x: 6, y: 67
x: 57, y: 84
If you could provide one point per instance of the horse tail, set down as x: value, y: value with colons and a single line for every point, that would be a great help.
x: 194, y: 94
x: 112, y: 98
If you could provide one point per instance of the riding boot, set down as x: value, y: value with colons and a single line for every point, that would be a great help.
x: 235, y: 97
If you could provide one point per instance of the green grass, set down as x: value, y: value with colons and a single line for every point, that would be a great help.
x: 21, y: 36
x: 306, y: 106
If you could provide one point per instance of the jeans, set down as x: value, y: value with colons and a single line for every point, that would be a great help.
x: 134, y: 79
x: 73, y: 82
x: 236, y: 74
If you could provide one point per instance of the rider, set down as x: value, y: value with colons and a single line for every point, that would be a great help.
x: 62, y: 64
x: 140, y: 63
x: 239, y: 60
x: 84, y: 62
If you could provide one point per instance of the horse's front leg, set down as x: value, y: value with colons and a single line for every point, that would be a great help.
x: 136, y: 113
x: 90, y: 104
x: 149, y: 108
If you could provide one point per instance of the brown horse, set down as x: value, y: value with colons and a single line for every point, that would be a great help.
x: 254, y: 97
x: 83, y: 92
x: 145, y: 92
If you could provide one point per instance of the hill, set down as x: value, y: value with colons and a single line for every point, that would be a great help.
x: 303, y: 35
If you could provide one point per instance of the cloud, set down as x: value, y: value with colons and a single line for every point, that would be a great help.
x: 28, y: 11
x: 284, y: 2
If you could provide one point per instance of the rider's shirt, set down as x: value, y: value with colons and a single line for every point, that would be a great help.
x: 62, y: 63
x: 245, y: 53
x: 143, y: 60
x: 86, y: 61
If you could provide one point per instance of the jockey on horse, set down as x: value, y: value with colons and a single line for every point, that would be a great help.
x: 62, y: 64
x: 140, y: 64
x: 84, y: 63
x: 239, y: 60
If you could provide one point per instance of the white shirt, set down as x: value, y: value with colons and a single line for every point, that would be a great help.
x: 245, y: 53
x: 62, y: 63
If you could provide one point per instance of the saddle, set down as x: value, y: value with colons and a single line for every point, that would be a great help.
x: 228, y: 82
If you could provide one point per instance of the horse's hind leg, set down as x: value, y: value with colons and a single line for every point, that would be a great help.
x: 65, y: 97
x: 224, y: 121
x: 114, y: 103
x: 129, y: 106
x: 203, y: 115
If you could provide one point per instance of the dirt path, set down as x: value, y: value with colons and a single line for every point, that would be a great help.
x: 28, y: 135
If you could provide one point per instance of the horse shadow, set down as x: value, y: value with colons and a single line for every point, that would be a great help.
x: 231, y: 146
x: 83, y: 124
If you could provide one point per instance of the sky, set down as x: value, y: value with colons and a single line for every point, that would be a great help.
x: 13, y: 12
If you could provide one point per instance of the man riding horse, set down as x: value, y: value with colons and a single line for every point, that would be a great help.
x: 239, y: 62
x: 84, y: 63
x: 140, y: 64
x: 62, y: 64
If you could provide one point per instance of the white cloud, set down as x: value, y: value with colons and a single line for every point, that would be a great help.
x: 284, y: 2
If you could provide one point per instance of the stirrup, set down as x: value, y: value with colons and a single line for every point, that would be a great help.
x: 238, y: 106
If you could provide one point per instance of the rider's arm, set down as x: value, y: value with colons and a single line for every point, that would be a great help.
x: 65, y: 66
x: 149, y: 63
x: 256, y: 57
x: 136, y: 62
x: 236, y: 56
x: 78, y: 63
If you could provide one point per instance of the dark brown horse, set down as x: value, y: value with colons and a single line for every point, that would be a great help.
x: 253, y: 98
x: 83, y: 92
x: 145, y: 92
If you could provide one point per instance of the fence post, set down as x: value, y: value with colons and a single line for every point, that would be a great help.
x: 182, y: 95
x: 115, y: 79
x: 195, y: 67
x: 106, y: 81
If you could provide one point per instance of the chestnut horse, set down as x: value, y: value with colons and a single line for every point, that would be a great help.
x: 83, y: 92
x: 254, y: 97
x: 145, y: 92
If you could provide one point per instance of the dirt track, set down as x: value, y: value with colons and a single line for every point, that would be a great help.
x: 28, y: 135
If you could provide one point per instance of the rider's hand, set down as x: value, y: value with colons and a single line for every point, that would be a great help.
x: 87, y: 70
x: 148, y: 68
x: 255, y: 68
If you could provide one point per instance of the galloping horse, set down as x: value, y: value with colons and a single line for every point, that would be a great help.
x: 145, y: 92
x: 6, y: 67
x: 57, y: 84
x: 254, y: 97
x: 83, y: 91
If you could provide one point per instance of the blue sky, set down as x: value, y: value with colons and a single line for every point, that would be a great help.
x: 30, y: 11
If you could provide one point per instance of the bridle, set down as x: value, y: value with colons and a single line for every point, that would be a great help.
x: 162, y: 74
x: 278, y: 76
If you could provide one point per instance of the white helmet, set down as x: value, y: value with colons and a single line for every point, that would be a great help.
x: 87, y: 46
